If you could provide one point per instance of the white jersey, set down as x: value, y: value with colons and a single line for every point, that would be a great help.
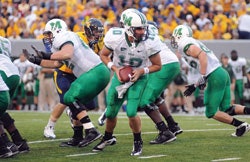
x: 167, y: 56
x: 212, y: 61
x: 125, y: 53
x: 6, y: 64
x: 237, y: 67
x: 22, y: 66
x: 84, y: 58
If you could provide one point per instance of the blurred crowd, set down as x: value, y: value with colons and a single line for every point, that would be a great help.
x: 209, y: 19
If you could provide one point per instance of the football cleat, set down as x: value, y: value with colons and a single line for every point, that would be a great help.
x: 101, y: 145
x: 241, y: 130
x: 22, y: 146
x: 12, y: 147
x: 175, y: 129
x: 164, y: 137
x: 102, y: 118
x: 90, y: 137
x: 71, y: 143
x: 137, y: 148
x: 49, y: 132
x: 5, y: 152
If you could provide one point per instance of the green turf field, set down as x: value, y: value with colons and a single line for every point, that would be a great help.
x: 202, y: 140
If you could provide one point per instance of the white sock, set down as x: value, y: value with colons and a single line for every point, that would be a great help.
x: 51, y: 123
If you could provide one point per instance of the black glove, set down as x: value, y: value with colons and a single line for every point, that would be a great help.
x: 201, y: 83
x: 190, y: 89
x: 32, y: 58
x: 92, y: 43
x: 41, y: 54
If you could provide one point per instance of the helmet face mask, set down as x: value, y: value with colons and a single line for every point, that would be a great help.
x: 94, y: 29
x: 180, y: 32
x: 135, y: 24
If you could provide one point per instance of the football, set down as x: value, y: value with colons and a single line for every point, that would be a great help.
x: 125, y: 73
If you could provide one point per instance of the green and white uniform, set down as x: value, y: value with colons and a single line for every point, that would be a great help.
x: 9, y: 75
x: 159, y: 80
x: 135, y: 55
x: 22, y: 67
x: 217, y: 93
x: 238, y: 73
x: 92, y: 75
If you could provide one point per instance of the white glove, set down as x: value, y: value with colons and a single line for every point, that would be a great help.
x: 122, y: 89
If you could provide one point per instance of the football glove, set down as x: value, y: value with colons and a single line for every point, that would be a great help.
x: 41, y: 54
x: 201, y: 83
x: 92, y: 43
x: 190, y: 89
x: 32, y: 58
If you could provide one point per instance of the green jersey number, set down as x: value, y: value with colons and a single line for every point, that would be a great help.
x: 134, y: 62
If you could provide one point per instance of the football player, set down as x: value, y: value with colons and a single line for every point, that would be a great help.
x: 129, y: 47
x: 9, y: 81
x: 214, y: 79
x: 153, y: 90
x: 153, y: 95
x: 92, y: 35
x: 74, y: 53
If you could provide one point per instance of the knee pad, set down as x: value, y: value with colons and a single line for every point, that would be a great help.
x: 150, y: 107
x: 231, y: 110
x: 75, y: 108
x: 159, y: 101
x: 7, y: 120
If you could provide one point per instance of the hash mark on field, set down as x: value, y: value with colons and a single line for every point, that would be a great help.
x: 84, y: 154
x: 153, y: 156
x: 227, y: 159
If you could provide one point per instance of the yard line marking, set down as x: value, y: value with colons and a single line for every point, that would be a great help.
x: 126, y: 134
x: 148, y: 157
x: 227, y: 159
x: 213, y: 124
x: 49, y: 140
x: 84, y: 154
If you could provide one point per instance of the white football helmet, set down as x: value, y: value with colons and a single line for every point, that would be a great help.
x: 180, y: 32
x: 135, y: 20
x: 124, y: 13
x: 54, y: 27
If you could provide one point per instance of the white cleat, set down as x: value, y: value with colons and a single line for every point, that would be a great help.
x: 241, y: 130
x: 49, y: 132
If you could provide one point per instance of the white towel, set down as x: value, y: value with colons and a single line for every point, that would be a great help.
x: 122, y: 89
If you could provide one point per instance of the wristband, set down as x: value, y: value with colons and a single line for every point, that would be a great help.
x: 110, y: 64
x: 146, y: 70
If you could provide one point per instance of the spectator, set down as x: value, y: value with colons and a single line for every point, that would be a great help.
x: 206, y: 33
x: 243, y: 26
x: 23, y: 7
x: 202, y: 20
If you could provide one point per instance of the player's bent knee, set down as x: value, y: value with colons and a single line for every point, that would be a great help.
x: 159, y: 101
x: 150, y: 107
x: 131, y: 114
x: 210, y: 114
x: 231, y: 110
